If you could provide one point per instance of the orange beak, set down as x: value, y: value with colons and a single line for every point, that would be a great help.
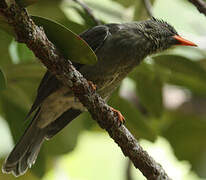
x: 183, y: 42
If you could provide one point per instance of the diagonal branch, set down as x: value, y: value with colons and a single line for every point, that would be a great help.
x: 34, y: 37
x: 200, y: 5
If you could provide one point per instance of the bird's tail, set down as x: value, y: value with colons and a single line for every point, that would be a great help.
x: 26, y: 150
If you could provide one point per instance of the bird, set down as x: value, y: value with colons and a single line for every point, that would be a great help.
x: 119, y: 47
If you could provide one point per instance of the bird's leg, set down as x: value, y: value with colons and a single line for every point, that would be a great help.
x: 92, y: 85
x: 121, y: 119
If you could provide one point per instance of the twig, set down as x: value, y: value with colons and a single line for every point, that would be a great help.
x: 148, y: 7
x: 200, y: 5
x: 34, y: 37
x: 88, y: 11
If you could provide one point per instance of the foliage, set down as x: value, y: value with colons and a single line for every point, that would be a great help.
x: 147, y: 116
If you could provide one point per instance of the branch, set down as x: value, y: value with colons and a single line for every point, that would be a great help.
x: 148, y: 7
x: 200, y: 5
x: 88, y: 11
x: 34, y: 37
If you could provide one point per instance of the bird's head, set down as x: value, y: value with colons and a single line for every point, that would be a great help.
x: 161, y: 34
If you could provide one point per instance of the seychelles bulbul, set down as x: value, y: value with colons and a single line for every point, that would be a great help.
x: 119, y: 49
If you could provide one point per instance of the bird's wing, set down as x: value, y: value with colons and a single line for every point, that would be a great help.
x: 61, y: 122
x: 95, y: 38
x: 48, y: 84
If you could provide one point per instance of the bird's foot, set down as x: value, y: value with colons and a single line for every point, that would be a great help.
x: 92, y: 85
x: 121, y: 119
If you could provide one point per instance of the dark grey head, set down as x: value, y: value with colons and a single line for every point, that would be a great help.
x: 161, y: 34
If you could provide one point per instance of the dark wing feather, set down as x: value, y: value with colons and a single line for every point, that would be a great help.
x: 95, y: 37
x: 61, y: 122
x: 48, y: 84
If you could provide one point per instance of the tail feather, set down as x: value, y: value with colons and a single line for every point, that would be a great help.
x: 24, y: 155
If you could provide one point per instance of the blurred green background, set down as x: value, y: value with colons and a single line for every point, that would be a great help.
x: 163, y: 100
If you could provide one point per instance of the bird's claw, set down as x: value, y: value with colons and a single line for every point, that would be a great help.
x: 121, y: 119
x: 92, y: 85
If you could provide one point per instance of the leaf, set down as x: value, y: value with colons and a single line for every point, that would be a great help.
x: 57, y: 11
x: 71, y: 45
x: 40, y: 168
x: 24, y: 53
x: 17, y: 96
x: 2, y: 81
x: 5, y: 26
x: 183, y: 72
x: 14, y: 115
x: 186, y: 132
x: 19, y: 52
x: 109, y: 11
x: 140, y: 12
x: 88, y: 21
x: 127, y: 3
x: 25, y: 3
x: 149, y: 88
x: 22, y: 82
x: 5, y: 41
x: 181, y: 65
x: 66, y: 140
x: 194, y: 84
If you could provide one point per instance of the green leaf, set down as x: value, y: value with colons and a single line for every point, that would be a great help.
x: 186, y: 132
x: 181, y: 65
x: 57, y: 11
x: 14, y: 115
x: 24, y: 53
x: 5, y: 41
x: 17, y: 96
x: 140, y: 12
x: 88, y: 21
x: 127, y: 3
x: 71, y: 45
x: 2, y: 81
x: 5, y: 26
x: 19, y: 52
x: 25, y: 3
x: 66, y: 139
x: 22, y: 81
x: 149, y: 90
x: 40, y: 167
x: 183, y: 72
x: 194, y: 84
